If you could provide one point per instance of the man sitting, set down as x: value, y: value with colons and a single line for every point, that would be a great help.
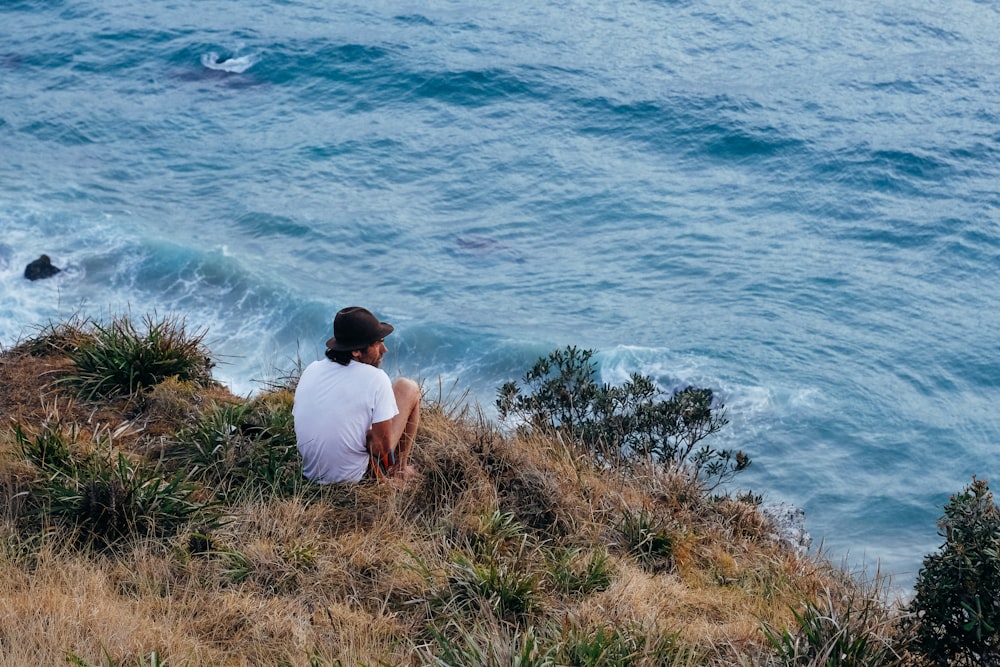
x: 350, y: 419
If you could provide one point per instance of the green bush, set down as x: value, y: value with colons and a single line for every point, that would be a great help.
x: 119, y: 359
x: 636, y: 419
x: 955, y: 613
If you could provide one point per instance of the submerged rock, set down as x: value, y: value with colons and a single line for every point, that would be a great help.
x: 40, y: 268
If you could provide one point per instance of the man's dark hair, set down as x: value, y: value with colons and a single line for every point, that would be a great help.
x: 342, y: 357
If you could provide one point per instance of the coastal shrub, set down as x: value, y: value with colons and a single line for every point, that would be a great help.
x: 102, y: 496
x: 120, y: 359
x: 561, y: 393
x: 955, y: 612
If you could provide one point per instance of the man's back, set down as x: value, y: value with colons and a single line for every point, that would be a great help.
x: 335, y: 406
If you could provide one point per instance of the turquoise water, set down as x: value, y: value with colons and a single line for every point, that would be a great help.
x: 795, y: 205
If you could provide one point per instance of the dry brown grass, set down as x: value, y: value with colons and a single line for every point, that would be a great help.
x: 359, y: 574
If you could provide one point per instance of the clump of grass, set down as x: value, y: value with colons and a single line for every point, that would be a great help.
x: 495, y: 585
x: 493, y: 571
x: 101, y: 496
x: 487, y: 648
x: 52, y: 338
x: 575, y: 572
x: 648, y: 539
x: 242, y: 449
x: 853, y: 627
x: 455, y: 475
x: 492, y: 531
x: 482, y: 644
x: 172, y: 402
x: 48, y: 449
x: 120, y: 359
x: 616, y: 647
x: 152, y: 660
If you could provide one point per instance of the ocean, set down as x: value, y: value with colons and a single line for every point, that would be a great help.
x: 794, y: 204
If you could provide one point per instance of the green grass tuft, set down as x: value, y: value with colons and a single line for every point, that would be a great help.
x: 102, y: 497
x: 242, y: 450
x: 120, y: 359
x: 648, y: 539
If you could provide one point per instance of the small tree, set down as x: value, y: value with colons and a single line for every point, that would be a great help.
x: 955, y: 614
x: 635, y: 419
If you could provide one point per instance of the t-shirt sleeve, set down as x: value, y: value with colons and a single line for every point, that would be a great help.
x: 385, y: 400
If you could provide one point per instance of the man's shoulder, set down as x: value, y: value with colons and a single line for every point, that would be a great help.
x: 319, y: 363
x: 318, y: 366
x: 325, y: 367
x: 367, y: 371
x: 320, y: 371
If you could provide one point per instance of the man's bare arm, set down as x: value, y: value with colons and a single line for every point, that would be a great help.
x: 380, y: 439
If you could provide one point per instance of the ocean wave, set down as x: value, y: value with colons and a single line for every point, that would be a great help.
x: 474, y: 87
x: 6, y: 253
x: 719, y: 127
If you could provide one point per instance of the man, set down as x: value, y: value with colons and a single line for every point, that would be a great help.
x: 351, y: 421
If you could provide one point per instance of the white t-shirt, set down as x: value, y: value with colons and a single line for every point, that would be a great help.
x: 335, y: 407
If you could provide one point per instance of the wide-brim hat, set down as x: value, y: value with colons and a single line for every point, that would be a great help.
x: 355, y: 328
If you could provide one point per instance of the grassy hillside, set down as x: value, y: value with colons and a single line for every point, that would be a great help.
x: 153, y: 518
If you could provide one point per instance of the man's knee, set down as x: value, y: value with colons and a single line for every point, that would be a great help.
x: 407, y: 393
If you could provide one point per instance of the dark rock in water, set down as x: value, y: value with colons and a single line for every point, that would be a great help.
x: 40, y: 268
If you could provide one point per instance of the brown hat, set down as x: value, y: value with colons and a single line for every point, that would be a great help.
x: 355, y: 328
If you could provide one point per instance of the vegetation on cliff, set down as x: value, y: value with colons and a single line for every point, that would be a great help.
x: 152, y: 517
